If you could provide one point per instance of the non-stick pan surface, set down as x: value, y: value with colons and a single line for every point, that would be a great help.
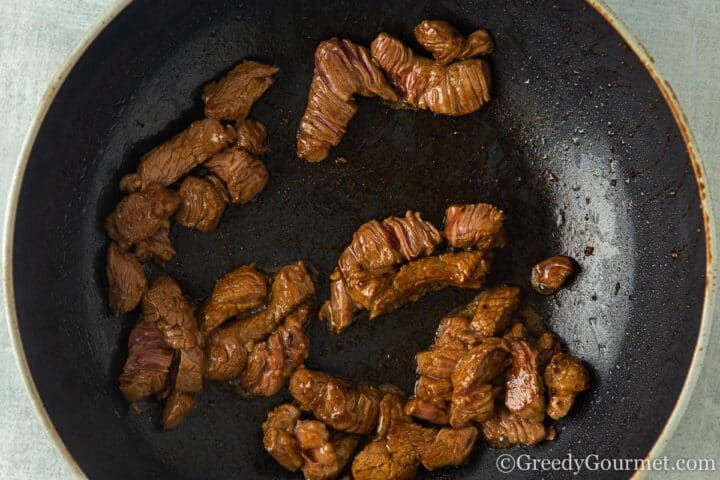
x: 577, y: 146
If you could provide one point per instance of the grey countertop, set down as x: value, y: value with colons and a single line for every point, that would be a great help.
x: 683, y: 37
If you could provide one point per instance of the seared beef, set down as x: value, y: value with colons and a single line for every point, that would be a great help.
x: 477, y: 225
x: 456, y: 89
x: 232, y: 97
x: 202, y: 204
x: 165, y: 306
x: 251, y: 136
x: 525, y: 393
x: 339, y: 310
x: 189, y: 374
x: 337, y: 402
x: 476, y: 404
x: 325, y: 455
x: 506, y: 429
x: 244, y: 175
x: 140, y: 215
x: 342, y: 69
x: 439, y: 362
x: 565, y: 377
x: 279, y: 436
x: 177, y: 406
x: 518, y: 332
x: 376, y: 462
x: 148, y: 363
x: 454, y: 330
x: 169, y: 161
x: 447, y: 44
x: 480, y: 365
x: 449, y: 447
x: 157, y: 247
x: 241, y: 290
x: 495, y: 307
x: 126, y: 280
x: 546, y: 345
x: 551, y: 274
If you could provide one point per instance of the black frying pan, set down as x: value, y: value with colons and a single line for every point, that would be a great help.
x: 578, y: 146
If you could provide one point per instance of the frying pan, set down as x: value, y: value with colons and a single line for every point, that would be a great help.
x: 579, y: 147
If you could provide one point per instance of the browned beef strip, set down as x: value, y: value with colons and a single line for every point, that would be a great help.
x: 477, y: 225
x: 169, y: 161
x: 126, y: 280
x: 506, y: 429
x: 232, y: 97
x: 546, y: 345
x: 550, y: 275
x: 480, y: 365
x: 202, y: 204
x: 189, y: 374
x: 325, y: 455
x: 449, y: 447
x: 140, y: 215
x: 428, y: 410
x: 447, y: 44
x: 338, y: 312
x: 149, y: 358
x: 565, y: 377
x: 474, y: 405
x: 376, y: 462
x: 456, y: 89
x: 251, y: 136
x: 156, y: 247
x: 525, y: 393
x: 244, y: 175
x: 279, y: 436
x: 241, y: 290
x: 342, y: 69
x: 165, y: 306
x: 495, y: 307
x: 177, y: 407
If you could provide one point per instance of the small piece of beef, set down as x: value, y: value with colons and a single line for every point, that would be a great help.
x: 342, y: 69
x: 232, y: 97
x: 474, y: 405
x: 376, y: 462
x: 339, y: 310
x: 456, y: 89
x: 546, y: 345
x: 165, y: 306
x: 447, y: 44
x: 480, y: 365
x: 525, y: 392
x: 477, y: 225
x: 244, y: 175
x: 439, y: 362
x: 156, y: 247
x: 455, y: 331
x: 148, y: 364
x: 291, y: 287
x: 565, y: 377
x: 551, y: 274
x: 494, y: 311
x: 336, y: 402
x: 427, y: 410
x: 325, y: 455
x: 430, y: 388
x: 202, y: 204
x: 140, y: 215
x: 518, y: 331
x: 189, y: 374
x: 177, y: 406
x: 126, y: 280
x: 251, y: 136
x: 449, y: 447
x: 506, y: 429
x: 391, y: 410
x: 169, y: 161
x: 241, y: 290
x: 279, y: 436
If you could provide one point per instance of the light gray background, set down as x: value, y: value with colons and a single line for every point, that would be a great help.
x: 683, y: 36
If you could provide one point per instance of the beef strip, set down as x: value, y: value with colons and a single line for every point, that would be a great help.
x: 232, y: 97
x: 202, y: 204
x: 336, y: 402
x: 456, y: 89
x: 376, y: 462
x: 480, y: 365
x: 506, y: 429
x: 518, y: 331
x: 565, y: 377
x: 477, y: 225
x: 338, y: 312
x: 126, y: 280
x: 169, y: 161
x: 251, y: 136
x: 495, y: 307
x: 449, y: 447
x: 241, y: 290
x: 279, y: 436
x: 325, y: 455
x: 550, y: 275
x: 148, y: 364
x: 525, y: 393
x: 447, y: 44
x: 454, y: 330
x: 546, y: 345
x: 244, y: 175
x: 165, y: 306
x: 189, y: 374
x: 474, y: 405
x: 156, y: 247
x: 178, y: 405
x: 140, y: 215
x: 342, y: 70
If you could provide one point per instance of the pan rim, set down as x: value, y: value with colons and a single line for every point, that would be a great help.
x: 600, y: 6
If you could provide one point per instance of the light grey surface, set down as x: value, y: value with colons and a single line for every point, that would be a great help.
x: 683, y: 36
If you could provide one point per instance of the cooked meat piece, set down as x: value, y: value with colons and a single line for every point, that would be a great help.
x: 376, y: 462
x: 506, y: 429
x: 455, y: 331
x: 165, y: 306
x: 251, y: 136
x: 391, y: 410
x: 169, y: 161
x: 241, y: 290
x: 474, y: 405
x: 494, y: 311
x: 232, y: 97
x: 148, y: 364
x: 447, y: 44
x: 414, y: 280
x: 407, y: 439
x: 126, y: 280
x: 220, y: 187
x: 430, y: 388
x: 279, y: 436
x: 339, y: 310
x: 477, y: 225
x: 188, y: 377
x: 547, y: 346
x: 428, y: 410
x: 271, y: 362
x: 532, y: 320
x: 291, y: 287
x: 518, y: 331
x: 480, y: 365
x: 565, y: 377
x: 525, y: 392
x: 177, y: 406
x: 244, y: 175
x: 139, y: 215
x: 342, y: 69
x: 551, y: 274
x: 325, y: 457
x: 202, y: 204
x: 337, y: 402
x: 156, y: 247
x: 449, y: 447
x: 456, y: 89
x: 439, y: 362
